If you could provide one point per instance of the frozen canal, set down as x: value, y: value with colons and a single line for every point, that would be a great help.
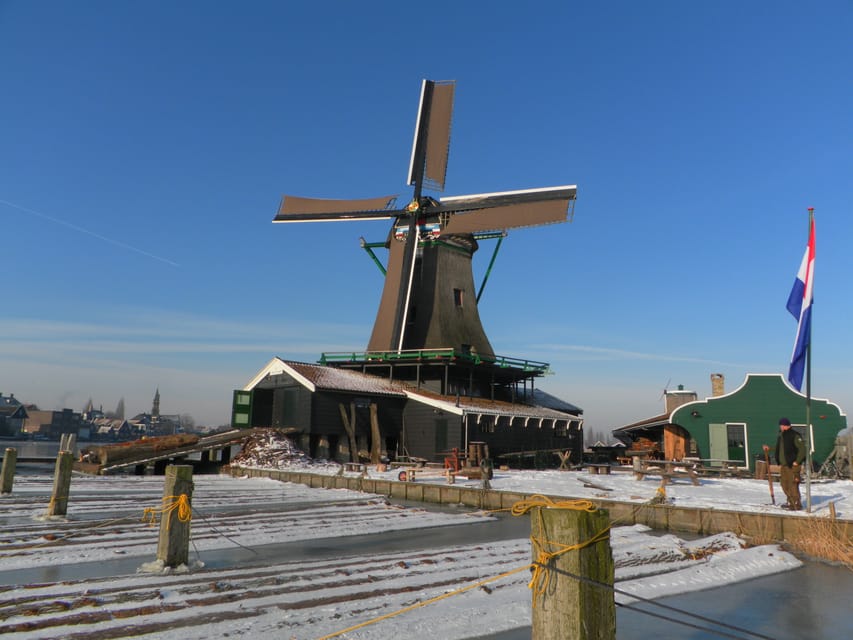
x: 295, y: 562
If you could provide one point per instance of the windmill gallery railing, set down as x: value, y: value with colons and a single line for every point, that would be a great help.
x: 433, y: 355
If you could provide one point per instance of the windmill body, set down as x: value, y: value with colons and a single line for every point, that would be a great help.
x: 429, y: 302
x: 457, y: 394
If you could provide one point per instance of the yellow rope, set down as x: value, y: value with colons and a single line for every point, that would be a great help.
x: 424, y: 603
x: 540, y: 572
x: 546, y: 550
x: 180, y: 503
x: 523, y: 506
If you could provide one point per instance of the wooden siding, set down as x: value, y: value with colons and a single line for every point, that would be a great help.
x: 512, y: 436
x: 422, y: 439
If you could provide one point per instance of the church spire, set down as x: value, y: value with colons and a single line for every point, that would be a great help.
x: 155, y: 407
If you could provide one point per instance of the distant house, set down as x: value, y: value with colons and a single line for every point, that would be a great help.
x: 12, y: 416
x: 51, y: 424
x: 321, y: 403
x: 736, y: 425
x: 113, y: 429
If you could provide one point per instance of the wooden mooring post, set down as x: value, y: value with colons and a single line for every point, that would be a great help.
x: 67, y: 442
x: 569, y: 607
x: 58, y: 505
x: 173, y: 546
x: 7, y: 478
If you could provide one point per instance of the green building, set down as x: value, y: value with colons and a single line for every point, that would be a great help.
x: 736, y: 425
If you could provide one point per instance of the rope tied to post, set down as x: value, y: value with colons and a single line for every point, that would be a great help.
x: 547, y: 550
x: 540, y: 572
x: 180, y: 503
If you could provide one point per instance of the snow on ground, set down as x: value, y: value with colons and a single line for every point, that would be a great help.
x: 272, y: 592
x: 272, y: 451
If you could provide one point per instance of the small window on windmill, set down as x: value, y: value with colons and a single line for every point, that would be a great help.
x: 457, y: 297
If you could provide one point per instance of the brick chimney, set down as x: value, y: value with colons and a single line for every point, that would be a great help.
x: 678, y: 397
x: 718, y: 384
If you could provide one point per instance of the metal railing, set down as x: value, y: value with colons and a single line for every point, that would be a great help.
x: 431, y: 355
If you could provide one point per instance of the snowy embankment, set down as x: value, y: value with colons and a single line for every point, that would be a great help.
x: 273, y: 593
x: 273, y: 451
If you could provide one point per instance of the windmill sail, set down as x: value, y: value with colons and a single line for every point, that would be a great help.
x: 508, y: 210
x: 296, y: 209
x: 430, y: 148
x: 429, y: 300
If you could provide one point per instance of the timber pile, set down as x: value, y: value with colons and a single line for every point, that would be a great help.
x: 645, y: 446
x: 114, y: 453
x: 272, y: 449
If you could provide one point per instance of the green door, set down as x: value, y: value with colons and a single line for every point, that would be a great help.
x: 719, y: 438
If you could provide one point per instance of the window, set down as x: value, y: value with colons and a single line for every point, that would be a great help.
x: 736, y: 436
x: 457, y: 297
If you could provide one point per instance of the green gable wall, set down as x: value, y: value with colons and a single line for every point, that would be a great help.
x: 759, y: 403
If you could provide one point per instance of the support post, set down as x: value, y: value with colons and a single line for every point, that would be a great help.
x: 58, y: 505
x: 572, y: 608
x: 10, y: 460
x: 173, y: 546
x: 349, y: 427
x: 375, y: 435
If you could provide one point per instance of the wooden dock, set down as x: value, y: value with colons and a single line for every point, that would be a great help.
x: 214, y: 449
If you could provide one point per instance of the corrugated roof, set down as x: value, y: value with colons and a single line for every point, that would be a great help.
x: 656, y: 421
x: 468, y: 404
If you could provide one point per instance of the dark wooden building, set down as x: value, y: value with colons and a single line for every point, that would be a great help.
x: 320, y: 402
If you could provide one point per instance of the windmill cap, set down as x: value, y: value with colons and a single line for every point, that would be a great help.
x: 784, y: 421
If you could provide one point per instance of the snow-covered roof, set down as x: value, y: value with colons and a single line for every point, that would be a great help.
x: 484, y: 406
x: 314, y: 377
x: 319, y: 377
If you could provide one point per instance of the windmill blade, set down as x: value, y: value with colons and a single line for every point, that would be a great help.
x: 507, y: 209
x: 431, y: 145
x: 407, y: 273
x: 296, y: 209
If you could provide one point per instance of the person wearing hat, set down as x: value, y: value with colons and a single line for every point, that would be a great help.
x: 790, y: 453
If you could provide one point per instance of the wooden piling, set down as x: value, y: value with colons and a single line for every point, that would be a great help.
x: 67, y: 442
x: 173, y: 546
x: 58, y: 505
x: 7, y: 478
x: 569, y: 607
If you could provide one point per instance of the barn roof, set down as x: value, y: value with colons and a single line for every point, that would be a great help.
x: 322, y: 377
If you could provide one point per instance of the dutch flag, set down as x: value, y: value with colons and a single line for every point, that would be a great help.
x: 800, y: 306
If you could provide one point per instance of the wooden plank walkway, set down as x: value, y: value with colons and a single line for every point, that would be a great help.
x: 206, y: 444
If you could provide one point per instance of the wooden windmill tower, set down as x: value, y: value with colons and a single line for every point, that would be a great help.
x: 428, y: 309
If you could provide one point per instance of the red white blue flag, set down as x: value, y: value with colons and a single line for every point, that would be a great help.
x: 800, y: 306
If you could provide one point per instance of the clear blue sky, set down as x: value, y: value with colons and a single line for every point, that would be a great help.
x: 144, y: 147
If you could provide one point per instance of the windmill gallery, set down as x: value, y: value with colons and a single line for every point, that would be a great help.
x: 429, y: 381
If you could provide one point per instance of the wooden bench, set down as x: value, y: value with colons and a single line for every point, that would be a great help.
x: 354, y: 466
x: 717, y: 466
x: 598, y: 469
x: 667, y: 470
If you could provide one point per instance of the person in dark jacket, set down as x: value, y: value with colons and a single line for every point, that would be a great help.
x: 790, y: 453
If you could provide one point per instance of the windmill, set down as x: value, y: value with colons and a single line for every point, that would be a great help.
x: 428, y: 300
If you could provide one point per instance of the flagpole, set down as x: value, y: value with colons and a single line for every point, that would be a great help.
x: 809, y: 394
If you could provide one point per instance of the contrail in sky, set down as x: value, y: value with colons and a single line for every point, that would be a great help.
x: 87, y: 232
